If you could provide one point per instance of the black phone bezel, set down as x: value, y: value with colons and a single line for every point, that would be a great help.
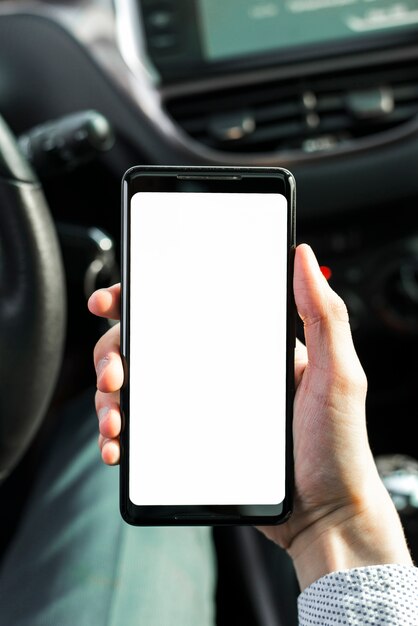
x: 220, y: 179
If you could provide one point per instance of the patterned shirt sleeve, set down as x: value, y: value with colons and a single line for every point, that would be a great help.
x: 378, y: 595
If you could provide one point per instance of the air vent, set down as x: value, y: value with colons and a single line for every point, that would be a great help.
x: 312, y: 114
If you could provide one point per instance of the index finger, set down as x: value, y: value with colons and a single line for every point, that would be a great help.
x: 106, y: 302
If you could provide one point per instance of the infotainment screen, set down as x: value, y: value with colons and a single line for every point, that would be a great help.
x: 239, y: 27
x: 186, y: 38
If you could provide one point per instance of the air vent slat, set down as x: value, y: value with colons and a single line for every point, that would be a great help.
x: 405, y: 92
x: 330, y: 103
x: 274, y: 133
x: 402, y: 114
x: 334, y: 123
x: 288, y: 113
x: 278, y: 111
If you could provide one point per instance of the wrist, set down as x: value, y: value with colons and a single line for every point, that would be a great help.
x: 350, y: 536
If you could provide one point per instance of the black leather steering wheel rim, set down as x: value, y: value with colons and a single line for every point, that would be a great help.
x: 32, y: 303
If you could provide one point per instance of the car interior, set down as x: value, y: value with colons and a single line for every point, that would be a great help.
x: 89, y: 88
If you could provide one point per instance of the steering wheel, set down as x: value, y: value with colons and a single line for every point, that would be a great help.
x: 32, y: 303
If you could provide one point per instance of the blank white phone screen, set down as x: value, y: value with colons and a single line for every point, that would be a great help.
x: 207, y: 361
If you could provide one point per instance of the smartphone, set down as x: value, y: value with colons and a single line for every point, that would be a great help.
x: 207, y: 342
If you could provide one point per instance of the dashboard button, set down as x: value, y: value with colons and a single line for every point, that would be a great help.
x: 165, y: 41
x: 161, y: 19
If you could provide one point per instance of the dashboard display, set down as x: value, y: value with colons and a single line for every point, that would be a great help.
x: 241, y: 27
x: 186, y: 38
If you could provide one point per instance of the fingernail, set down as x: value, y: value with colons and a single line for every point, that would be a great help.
x: 312, y: 255
x: 101, y: 365
x: 102, y: 412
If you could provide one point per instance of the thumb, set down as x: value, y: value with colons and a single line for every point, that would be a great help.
x: 324, y: 315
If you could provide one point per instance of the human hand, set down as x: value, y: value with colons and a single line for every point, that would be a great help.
x: 343, y: 516
x: 109, y: 372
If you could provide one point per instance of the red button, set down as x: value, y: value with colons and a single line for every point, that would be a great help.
x: 327, y: 272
